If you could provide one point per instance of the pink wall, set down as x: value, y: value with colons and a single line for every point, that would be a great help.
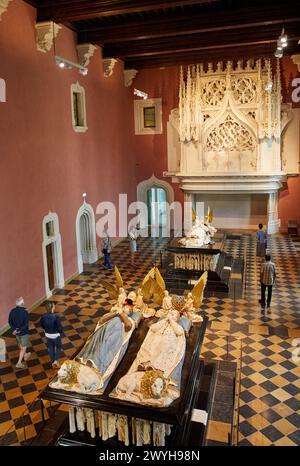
x: 44, y: 164
x: 289, y: 195
x: 151, y: 151
x: 289, y: 202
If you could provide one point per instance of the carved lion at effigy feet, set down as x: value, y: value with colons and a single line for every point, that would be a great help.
x: 73, y: 376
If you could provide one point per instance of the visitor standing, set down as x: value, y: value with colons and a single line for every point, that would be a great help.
x: 261, y: 241
x: 19, y: 323
x: 51, y: 323
x: 106, y: 249
x: 267, y: 280
x: 133, y: 236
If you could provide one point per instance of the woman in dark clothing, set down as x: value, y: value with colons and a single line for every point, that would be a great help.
x: 261, y: 241
x: 50, y: 322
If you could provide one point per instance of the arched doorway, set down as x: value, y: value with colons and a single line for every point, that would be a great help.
x: 52, y: 254
x: 86, y: 236
x: 156, y: 204
x: 154, y: 193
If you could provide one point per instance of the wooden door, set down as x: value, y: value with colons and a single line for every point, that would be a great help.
x: 50, y: 266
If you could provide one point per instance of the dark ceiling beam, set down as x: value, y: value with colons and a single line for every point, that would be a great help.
x: 169, y: 26
x: 227, y: 39
x: 193, y: 57
x: 76, y: 10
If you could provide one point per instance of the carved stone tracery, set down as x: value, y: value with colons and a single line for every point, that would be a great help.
x: 230, y: 135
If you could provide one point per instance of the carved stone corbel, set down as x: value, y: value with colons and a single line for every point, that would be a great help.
x: 108, y: 66
x: 85, y: 53
x: 129, y: 76
x: 46, y: 33
x: 3, y: 6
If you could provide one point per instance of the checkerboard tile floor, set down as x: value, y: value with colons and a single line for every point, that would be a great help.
x: 238, y: 331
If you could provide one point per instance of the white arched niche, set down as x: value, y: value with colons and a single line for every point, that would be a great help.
x: 142, y: 189
x: 52, y: 246
x: 86, y: 236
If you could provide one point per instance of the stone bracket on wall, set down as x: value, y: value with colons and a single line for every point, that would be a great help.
x: 129, y: 76
x: 46, y: 33
x: 85, y: 53
x: 3, y: 6
x: 108, y: 66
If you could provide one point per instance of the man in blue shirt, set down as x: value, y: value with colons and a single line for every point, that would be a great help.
x: 19, y: 323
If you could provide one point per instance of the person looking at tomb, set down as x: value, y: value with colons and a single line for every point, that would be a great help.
x: 19, y: 323
x: 106, y: 249
x: 51, y: 324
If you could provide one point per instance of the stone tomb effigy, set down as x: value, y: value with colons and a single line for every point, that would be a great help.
x: 189, y: 262
x: 177, y: 416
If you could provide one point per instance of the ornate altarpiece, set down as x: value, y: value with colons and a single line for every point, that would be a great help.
x: 225, y: 135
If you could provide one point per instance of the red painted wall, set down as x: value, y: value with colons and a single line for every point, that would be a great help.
x: 289, y: 195
x: 44, y: 164
x: 151, y: 151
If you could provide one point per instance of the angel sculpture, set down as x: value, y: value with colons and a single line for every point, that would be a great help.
x: 147, y: 289
x: 115, y: 291
x: 154, y: 286
x: 166, y: 306
x: 142, y: 306
x: 194, y: 300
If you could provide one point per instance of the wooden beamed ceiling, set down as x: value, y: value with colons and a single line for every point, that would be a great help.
x: 145, y: 33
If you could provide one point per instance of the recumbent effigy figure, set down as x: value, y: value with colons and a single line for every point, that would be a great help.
x: 104, y: 348
x: 201, y: 232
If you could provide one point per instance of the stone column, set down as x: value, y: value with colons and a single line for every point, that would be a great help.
x: 272, y: 217
x: 187, y: 211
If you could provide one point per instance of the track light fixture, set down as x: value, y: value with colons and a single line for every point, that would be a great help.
x: 140, y: 94
x: 67, y: 64
x: 282, y: 42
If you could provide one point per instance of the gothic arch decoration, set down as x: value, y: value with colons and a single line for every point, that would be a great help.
x: 86, y: 236
x: 153, y: 182
x: 229, y: 135
x: 226, y: 136
x: 52, y: 238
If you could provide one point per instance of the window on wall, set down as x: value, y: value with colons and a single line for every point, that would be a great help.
x: 50, y: 229
x: 79, y: 120
x: 148, y: 116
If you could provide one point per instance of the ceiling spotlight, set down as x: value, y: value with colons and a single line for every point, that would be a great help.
x: 67, y: 64
x: 283, y: 38
x: 140, y: 94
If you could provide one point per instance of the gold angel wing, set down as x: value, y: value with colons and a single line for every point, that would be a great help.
x: 159, y: 279
x: 147, y: 290
x: 198, y: 290
x: 158, y: 292
x: 150, y: 274
x: 119, y: 279
x: 111, y: 290
x: 209, y: 215
x: 193, y: 215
